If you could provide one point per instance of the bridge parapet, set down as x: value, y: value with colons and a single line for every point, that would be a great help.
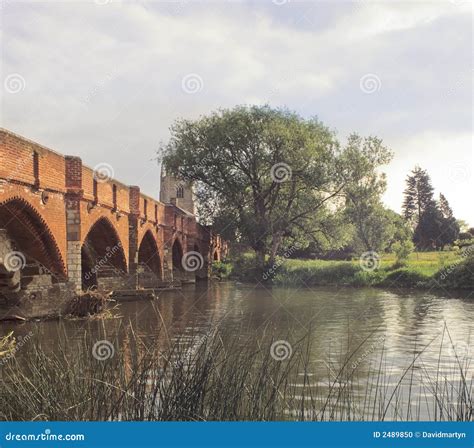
x: 70, y: 218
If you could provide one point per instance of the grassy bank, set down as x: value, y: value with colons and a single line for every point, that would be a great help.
x: 213, y: 377
x: 449, y: 269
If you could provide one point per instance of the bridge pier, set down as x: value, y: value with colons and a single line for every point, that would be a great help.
x: 74, y: 193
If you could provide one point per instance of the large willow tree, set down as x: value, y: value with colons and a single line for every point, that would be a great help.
x: 263, y: 175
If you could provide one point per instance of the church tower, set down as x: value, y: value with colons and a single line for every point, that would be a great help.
x: 177, y: 192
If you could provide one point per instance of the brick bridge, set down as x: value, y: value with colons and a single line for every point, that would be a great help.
x: 64, y: 226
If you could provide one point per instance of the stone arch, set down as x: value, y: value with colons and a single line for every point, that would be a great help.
x: 102, y: 254
x: 177, y: 256
x: 201, y: 272
x: 149, y: 260
x: 215, y: 256
x: 31, y: 236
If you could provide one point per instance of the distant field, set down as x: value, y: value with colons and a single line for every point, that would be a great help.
x: 419, y: 271
x: 426, y: 263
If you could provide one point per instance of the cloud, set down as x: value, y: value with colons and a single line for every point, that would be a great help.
x: 105, y: 81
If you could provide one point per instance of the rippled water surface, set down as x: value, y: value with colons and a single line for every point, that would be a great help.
x: 435, y: 329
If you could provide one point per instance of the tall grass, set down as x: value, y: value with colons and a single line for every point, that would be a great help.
x: 217, y: 377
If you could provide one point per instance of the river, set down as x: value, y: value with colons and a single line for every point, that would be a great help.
x: 435, y: 328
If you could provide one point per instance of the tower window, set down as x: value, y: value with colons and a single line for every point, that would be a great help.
x: 179, y: 191
x: 145, y: 208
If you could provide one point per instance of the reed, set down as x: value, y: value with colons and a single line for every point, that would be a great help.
x: 220, y: 377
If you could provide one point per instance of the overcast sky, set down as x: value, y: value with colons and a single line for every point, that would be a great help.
x: 105, y: 79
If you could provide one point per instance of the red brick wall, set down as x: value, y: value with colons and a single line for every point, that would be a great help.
x: 18, y: 182
x: 20, y: 179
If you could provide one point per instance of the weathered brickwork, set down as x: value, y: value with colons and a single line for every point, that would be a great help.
x: 64, y: 208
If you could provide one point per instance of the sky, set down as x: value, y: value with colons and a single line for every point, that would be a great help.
x: 105, y: 79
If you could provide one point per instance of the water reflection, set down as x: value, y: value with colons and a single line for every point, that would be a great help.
x: 403, y: 326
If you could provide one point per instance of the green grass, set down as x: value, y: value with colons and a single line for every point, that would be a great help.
x: 425, y: 263
x: 422, y: 269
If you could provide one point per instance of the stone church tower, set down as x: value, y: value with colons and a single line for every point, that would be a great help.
x: 177, y: 192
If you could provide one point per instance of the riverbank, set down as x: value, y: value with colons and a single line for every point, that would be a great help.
x: 425, y: 270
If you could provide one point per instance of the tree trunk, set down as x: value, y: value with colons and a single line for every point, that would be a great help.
x: 259, y: 263
x: 276, y: 241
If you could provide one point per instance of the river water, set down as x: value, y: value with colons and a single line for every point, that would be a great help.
x: 436, y: 328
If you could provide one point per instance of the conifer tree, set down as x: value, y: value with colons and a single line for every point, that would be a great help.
x: 418, y: 195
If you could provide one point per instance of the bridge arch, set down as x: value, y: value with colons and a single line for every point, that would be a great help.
x: 177, y: 256
x: 149, y: 260
x: 33, y: 238
x: 102, y: 253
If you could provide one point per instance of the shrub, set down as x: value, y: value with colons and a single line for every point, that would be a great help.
x: 464, y: 242
x: 313, y: 273
x: 402, y: 250
x: 457, y: 275
x: 368, y: 278
x: 404, y: 277
x: 221, y: 270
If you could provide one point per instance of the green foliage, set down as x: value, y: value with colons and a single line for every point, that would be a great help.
x: 243, y: 268
x: 221, y: 270
x: 434, y: 223
x: 367, y: 278
x: 315, y: 272
x: 457, y: 275
x: 363, y: 192
x: 464, y: 242
x: 402, y: 250
x: 418, y: 271
x: 404, y: 278
x: 263, y: 175
x: 418, y: 195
